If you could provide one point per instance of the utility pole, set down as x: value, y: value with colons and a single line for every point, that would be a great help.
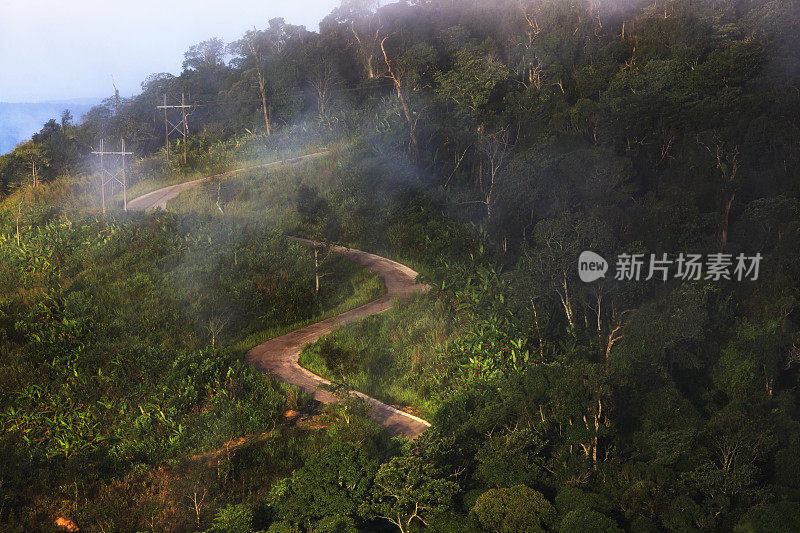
x: 102, y: 177
x: 107, y: 176
x: 181, y: 127
x: 185, y: 127
x: 166, y: 127
x: 124, y: 179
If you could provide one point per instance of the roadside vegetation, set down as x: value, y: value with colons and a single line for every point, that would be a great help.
x: 122, y: 343
x: 399, y: 357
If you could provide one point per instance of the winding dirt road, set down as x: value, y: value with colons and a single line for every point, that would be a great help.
x: 160, y: 197
x: 279, y: 356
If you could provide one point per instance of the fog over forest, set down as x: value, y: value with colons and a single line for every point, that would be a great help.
x: 441, y: 266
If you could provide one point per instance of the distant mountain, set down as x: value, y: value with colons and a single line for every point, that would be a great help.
x: 18, y: 121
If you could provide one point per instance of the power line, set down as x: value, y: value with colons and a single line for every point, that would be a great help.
x: 181, y: 127
x: 107, y: 176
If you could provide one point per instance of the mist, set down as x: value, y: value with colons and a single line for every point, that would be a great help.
x: 18, y: 121
x: 79, y: 58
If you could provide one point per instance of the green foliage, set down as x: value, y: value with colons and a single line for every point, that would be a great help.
x: 510, y: 458
x: 335, y: 482
x: 518, y: 508
x: 336, y: 524
x: 588, y: 521
x: 233, y: 519
x: 472, y: 81
x: 407, y: 342
x: 574, y: 499
x: 409, y: 490
x: 778, y: 517
x: 107, y: 357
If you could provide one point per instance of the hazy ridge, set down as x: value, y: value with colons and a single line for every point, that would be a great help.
x: 18, y: 121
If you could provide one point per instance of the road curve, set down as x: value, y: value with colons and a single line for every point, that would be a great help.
x: 279, y: 356
x: 160, y: 197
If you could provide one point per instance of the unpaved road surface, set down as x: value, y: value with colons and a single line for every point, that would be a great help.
x: 279, y: 356
x: 160, y: 197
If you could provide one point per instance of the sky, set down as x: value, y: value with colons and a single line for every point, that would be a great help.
x: 68, y: 49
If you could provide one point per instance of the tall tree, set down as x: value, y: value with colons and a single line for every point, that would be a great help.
x: 408, y: 490
x: 363, y: 21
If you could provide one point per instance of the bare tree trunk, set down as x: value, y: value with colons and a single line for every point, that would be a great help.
x: 613, y: 337
x: 494, y: 147
x: 565, y: 301
x: 323, y: 79
x: 539, y: 334
x: 316, y: 269
x: 262, y: 87
x: 197, y: 503
x: 725, y: 218
x: 19, y: 210
x: 216, y: 325
x: 728, y: 163
x: 599, y: 299
x: 591, y: 449
x: 367, y: 45
x: 371, y: 66
x: 412, y: 141
x: 262, y: 83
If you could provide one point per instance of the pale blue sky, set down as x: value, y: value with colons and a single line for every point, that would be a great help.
x: 64, y: 49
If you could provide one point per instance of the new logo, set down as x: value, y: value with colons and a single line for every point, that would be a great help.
x: 591, y: 266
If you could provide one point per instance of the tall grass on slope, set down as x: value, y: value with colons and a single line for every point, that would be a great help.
x: 398, y: 357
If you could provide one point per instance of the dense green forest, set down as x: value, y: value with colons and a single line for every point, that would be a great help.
x: 485, y: 144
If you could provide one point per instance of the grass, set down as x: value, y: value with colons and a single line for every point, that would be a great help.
x: 397, y: 357
x: 262, y: 196
x: 151, y: 181
x: 154, y: 172
x: 366, y: 287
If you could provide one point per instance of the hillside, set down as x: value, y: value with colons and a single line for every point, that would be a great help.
x: 650, y: 385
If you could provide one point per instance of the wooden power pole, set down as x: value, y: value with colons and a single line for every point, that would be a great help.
x: 181, y: 126
x: 108, y: 176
